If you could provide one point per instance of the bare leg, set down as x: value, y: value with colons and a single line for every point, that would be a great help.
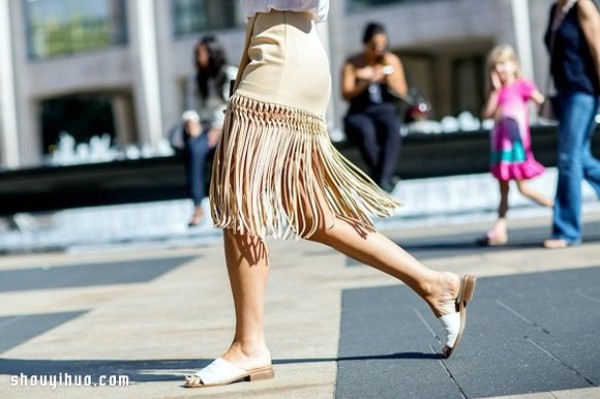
x: 503, y: 207
x: 247, y: 265
x: 440, y: 290
x: 497, y: 234
x: 534, y: 195
x: 248, y: 269
x: 374, y: 249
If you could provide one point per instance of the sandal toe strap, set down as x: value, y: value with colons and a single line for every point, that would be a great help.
x: 192, y: 380
x: 451, y: 324
x: 220, y: 371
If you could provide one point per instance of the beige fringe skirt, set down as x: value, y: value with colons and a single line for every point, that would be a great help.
x: 275, y: 168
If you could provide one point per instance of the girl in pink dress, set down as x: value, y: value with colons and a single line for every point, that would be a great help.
x: 510, y: 150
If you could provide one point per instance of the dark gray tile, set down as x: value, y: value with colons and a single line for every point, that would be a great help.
x: 567, y: 348
x: 525, y: 333
x: 137, y: 271
x: 387, y: 346
x: 14, y: 330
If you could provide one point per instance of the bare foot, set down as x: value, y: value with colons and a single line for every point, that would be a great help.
x: 497, y: 235
x: 556, y: 243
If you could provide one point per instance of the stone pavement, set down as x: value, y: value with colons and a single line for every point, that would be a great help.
x: 336, y: 329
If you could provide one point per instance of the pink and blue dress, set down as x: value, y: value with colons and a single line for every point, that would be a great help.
x: 511, y: 157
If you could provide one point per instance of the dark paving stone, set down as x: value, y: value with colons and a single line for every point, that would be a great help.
x: 138, y: 271
x: 526, y: 333
x: 14, y: 330
x: 387, y: 350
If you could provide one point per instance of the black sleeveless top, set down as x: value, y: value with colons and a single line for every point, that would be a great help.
x: 572, y: 65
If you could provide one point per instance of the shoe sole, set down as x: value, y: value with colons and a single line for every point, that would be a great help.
x: 467, y: 291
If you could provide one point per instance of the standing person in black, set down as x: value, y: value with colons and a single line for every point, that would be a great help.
x: 372, y: 82
x: 573, y: 41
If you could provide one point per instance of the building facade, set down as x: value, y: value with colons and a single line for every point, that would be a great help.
x: 119, y: 65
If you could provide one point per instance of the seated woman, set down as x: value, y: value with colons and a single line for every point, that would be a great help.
x: 372, y: 82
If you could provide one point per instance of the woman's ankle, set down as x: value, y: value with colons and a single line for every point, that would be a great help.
x: 442, y: 292
x: 248, y: 355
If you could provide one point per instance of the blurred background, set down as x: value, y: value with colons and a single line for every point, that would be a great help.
x: 117, y: 67
x: 90, y: 89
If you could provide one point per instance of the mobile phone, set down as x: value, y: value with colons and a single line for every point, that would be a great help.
x: 388, y: 70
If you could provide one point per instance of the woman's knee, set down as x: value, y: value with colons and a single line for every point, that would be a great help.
x: 567, y: 161
x: 314, y: 227
x: 314, y: 218
x: 320, y: 234
x: 359, y: 125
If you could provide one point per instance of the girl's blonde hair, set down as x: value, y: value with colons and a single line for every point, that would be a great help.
x: 501, y: 53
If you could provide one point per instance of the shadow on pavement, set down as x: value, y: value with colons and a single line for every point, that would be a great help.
x: 135, y: 370
x: 157, y: 370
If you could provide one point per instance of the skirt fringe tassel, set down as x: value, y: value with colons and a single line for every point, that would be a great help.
x: 269, y: 164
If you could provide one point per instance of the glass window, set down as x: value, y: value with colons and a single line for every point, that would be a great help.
x: 468, y: 75
x: 193, y: 16
x: 61, y: 27
x: 80, y: 116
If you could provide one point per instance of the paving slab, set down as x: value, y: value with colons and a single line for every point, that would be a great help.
x: 153, y: 313
x: 526, y: 334
x: 86, y: 275
x: 15, y: 330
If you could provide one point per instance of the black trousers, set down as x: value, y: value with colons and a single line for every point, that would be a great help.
x: 376, y: 132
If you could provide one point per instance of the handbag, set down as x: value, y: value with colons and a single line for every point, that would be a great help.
x: 175, y: 137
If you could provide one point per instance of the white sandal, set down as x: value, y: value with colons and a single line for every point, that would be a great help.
x: 454, y: 323
x: 222, y: 372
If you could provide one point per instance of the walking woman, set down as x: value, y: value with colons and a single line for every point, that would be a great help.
x: 372, y: 81
x: 573, y: 40
x: 277, y: 174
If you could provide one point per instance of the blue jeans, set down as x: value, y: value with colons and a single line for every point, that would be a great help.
x: 577, y: 111
x: 197, y: 155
